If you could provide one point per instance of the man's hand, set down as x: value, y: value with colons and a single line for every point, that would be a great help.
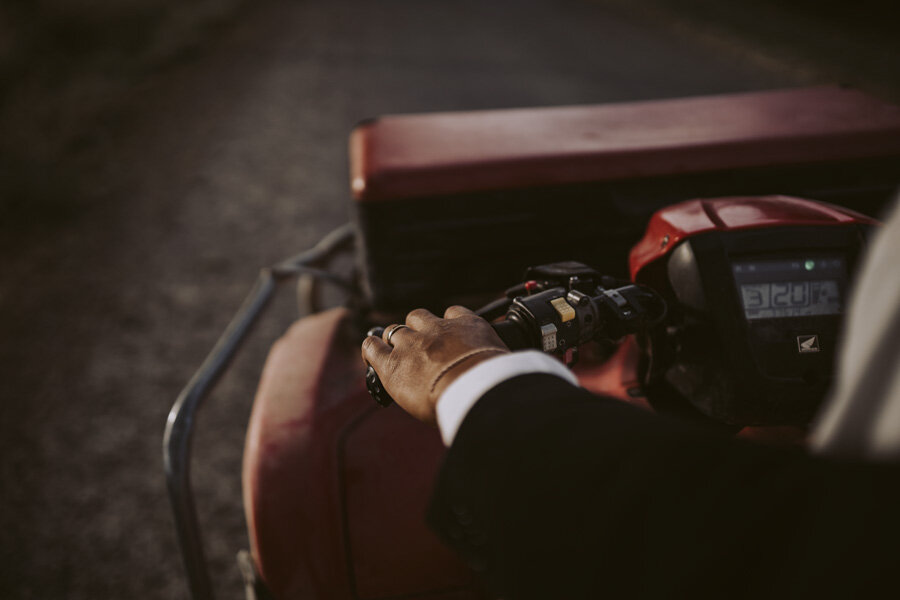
x: 428, y: 354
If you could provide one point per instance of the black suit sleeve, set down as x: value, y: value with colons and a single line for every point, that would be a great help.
x: 553, y: 492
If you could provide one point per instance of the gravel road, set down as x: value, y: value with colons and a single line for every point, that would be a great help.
x: 221, y: 162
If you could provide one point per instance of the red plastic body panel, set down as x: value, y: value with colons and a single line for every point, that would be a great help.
x: 292, y: 492
x: 672, y: 224
x: 335, y: 489
x: 616, y: 377
x: 411, y: 156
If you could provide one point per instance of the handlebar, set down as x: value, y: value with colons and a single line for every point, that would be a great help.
x: 560, y: 318
x: 512, y: 335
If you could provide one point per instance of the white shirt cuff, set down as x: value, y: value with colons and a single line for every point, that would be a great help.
x: 461, y: 395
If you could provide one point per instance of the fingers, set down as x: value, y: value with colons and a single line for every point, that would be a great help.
x: 454, y: 312
x: 394, y: 334
x: 375, y: 352
x: 420, y: 319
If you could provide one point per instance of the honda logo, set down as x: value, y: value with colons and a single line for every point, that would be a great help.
x: 807, y: 343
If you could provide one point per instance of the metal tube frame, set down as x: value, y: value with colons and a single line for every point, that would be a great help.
x: 180, y: 423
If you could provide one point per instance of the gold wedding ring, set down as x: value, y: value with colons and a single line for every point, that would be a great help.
x: 391, y: 333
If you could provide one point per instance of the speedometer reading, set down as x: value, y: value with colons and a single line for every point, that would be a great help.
x: 790, y: 299
x: 790, y: 288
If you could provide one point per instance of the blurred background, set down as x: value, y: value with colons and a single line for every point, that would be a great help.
x: 154, y: 154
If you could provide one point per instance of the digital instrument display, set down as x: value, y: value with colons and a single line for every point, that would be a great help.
x: 794, y: 287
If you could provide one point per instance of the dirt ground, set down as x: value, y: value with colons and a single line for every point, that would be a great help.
x: 139, y: 197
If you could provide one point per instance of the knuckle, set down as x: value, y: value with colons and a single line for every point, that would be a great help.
x: 452, y: 310
x: 418, y: 313
x: 370, y: 347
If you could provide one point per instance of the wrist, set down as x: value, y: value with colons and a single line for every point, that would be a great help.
x: 459, y: 366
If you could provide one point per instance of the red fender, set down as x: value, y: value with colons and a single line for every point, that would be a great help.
x: 335, y: 489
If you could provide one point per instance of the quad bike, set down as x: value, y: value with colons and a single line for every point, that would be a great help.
x: 728, y: 311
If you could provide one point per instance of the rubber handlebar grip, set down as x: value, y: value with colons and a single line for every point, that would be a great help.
x: 513, y: 335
